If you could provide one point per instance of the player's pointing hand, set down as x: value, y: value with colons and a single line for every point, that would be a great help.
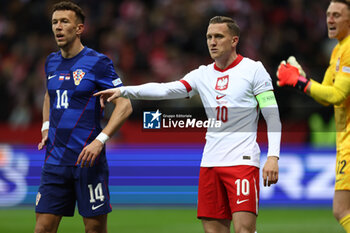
x: 108, y: 95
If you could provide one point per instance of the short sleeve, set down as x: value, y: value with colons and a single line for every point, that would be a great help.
x: 190, y: 82
x: 262, y: 80
x: 106, y: 77
x: 48, y: 59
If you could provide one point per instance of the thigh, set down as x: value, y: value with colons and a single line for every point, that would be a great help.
x: 92, y: 190
x: 216, y: 225
x: 244, y: 221
x: 212, y: 198
x: 96, y: 224
x: 242, y: 185
x: 56, y: 193
x: 341, y: 203
x: 47, y: 223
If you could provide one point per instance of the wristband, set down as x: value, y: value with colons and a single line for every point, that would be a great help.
x: 302, y: 83
x: 102, y: 137
x: 45, y: 126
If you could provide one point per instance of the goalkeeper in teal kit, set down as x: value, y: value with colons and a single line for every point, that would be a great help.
x: 75, y: 168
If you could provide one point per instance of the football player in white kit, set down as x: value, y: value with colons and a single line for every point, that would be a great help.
x: 231, y: 89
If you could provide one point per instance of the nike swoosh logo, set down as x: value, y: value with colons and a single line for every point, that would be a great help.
x: 51, y: 76
x: 240, y: 202
x: 219, y: 97
x: 96, y: 207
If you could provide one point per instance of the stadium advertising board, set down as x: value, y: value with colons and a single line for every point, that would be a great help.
x: 167, y: 174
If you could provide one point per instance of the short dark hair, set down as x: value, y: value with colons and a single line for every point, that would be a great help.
x: 346, y: 2
x: 231, y: 24
x: 66, y: 5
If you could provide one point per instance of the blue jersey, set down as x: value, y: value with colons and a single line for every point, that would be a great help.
x: 75, y: 113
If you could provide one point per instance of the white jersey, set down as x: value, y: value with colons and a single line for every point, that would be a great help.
x: 229, y: 95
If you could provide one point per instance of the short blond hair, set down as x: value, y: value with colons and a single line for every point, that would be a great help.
x: 346, y: 2
x: 231, y: 24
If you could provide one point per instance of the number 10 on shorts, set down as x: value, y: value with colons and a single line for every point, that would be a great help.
x: 96, y: 193
x: 242, y: 187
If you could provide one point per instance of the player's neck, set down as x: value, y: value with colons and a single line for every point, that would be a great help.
x: 225, y: 62
x: 72, y: 50
x: 340, y: 40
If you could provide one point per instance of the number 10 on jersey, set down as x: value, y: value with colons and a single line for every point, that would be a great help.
x: 221, y: 113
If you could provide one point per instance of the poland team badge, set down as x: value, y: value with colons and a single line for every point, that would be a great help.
x: 78, y: 76
x: 222, y: 83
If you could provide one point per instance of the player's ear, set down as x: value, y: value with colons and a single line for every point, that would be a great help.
x: 80, y: 29
x: 235, y: 40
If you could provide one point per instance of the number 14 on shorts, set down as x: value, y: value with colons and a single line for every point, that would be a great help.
x: 96, y: 193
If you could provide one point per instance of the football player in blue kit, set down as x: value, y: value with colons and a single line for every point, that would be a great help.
x: 75, y: 168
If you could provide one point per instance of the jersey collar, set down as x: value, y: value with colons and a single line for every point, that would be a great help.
x: 79, y: 54
x: 233, y: 64
x: 344, y: 40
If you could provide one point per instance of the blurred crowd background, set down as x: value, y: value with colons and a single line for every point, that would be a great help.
x: 161, y: 40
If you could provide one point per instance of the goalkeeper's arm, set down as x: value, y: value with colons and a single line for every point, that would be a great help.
x: 291, y: 74
x: 335, y: 94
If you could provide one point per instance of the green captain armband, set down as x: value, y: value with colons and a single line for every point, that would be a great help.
x: 266, y: 99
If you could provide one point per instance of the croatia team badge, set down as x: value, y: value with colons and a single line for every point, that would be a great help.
x: 78, y: 76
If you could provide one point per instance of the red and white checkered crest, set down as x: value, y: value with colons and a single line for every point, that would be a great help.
x: 78, y: 76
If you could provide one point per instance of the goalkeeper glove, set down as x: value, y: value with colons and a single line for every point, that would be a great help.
x: 291, y: 60
x: 289, y: 75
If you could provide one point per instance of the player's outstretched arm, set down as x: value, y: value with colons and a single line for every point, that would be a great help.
x: 121, y: 112
x: 148, y: 91
x: 46, y: 124
x: 108, y: 95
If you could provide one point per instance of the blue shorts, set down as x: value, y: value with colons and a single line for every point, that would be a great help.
x: 62, y: 186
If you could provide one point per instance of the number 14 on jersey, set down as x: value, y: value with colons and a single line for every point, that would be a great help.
x: 62, y: 99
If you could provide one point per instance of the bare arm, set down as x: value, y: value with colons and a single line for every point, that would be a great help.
x: 121, y: 112
x: 46, y: 116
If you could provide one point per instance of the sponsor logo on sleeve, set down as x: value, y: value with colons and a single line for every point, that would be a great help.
x: 117, y: 82
x: 346, y: 69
